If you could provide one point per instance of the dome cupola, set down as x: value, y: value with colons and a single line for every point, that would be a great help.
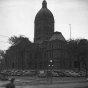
x: 44, y: 12
x: 44, y: 4
x: 43, y: 24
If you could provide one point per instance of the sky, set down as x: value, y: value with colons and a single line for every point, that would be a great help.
x: 17, y: 18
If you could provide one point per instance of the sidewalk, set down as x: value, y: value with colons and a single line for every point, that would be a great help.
x: 43, y: 83
x: 70, y: 85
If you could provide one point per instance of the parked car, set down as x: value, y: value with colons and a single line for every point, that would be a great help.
x: 32, y: 73
x: 42, y: 74
x: 82, y: 73
x: 55, y: 74
x: 61, y: 74
x: 3, y: 76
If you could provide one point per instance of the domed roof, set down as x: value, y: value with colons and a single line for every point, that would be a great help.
x: 44, y: 12
x: 57, y: 36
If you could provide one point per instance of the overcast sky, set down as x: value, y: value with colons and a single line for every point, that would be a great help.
x: 17, y: 18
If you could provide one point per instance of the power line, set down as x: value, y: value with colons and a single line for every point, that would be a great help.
x: 4, y: 36
x: 3, y: 42
x: 70, y: 31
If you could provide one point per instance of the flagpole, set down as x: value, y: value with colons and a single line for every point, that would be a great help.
x: 70, y: 31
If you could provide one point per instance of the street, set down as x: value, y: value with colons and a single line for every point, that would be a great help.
x: 59, y: 82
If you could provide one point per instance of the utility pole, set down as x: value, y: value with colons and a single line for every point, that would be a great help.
x: 51, y: 66
x: 70, y: 40
x: 70, y: 31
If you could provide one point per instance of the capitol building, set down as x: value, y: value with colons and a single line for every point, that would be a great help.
x: 48, y: 49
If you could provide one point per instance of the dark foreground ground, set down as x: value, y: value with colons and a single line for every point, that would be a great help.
x: 57, y: 82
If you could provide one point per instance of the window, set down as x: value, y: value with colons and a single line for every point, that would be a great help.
x: 44, y: 55
x: 51, y: 46
x: 45, y: 64
x: 51, y: 54
x: 13, y: 65
x: 70, y: 64
x: 30, y: 64
x: 76, y: 64
x: 57, y: 54
x: 40, y: 64
x: 35, y: 64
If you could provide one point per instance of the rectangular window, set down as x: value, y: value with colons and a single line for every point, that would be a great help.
x: 51, y: 46
x: 57, y: 45
x: 51, y: 54
x: 76, y: 64
x: 30, y: 64
x: 44, y: 55
x: 57, y: 54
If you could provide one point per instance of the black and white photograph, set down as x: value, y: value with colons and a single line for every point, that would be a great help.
x: 43, y: 43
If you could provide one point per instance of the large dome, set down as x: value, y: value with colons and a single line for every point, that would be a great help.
x: 44, y: 12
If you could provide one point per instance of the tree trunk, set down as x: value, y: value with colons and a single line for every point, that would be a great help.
x: 85, y: 67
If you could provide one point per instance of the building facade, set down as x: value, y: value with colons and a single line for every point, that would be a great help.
x: 48, y: 46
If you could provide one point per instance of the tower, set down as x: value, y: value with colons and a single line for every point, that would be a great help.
x: 44, y: 24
